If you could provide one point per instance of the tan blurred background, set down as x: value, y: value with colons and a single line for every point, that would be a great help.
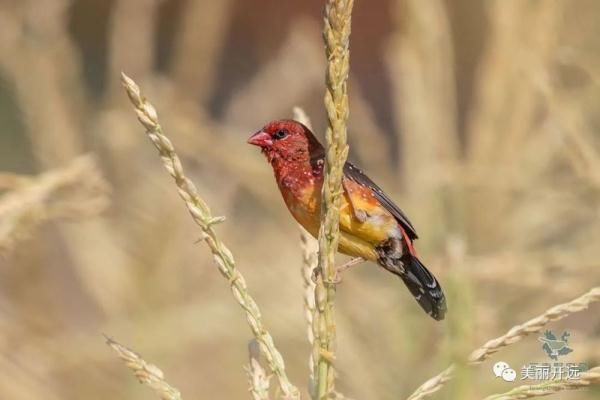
x: 479, y: 117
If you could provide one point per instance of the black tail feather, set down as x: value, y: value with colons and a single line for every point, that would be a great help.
x: 424, y: 287
x: 394, y: 257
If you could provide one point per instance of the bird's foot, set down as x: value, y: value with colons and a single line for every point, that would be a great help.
x: 316, y: 272
x: 349, y: 264
x: 338, y: 271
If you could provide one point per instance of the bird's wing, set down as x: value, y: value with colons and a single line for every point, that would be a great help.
x: 358, y: 176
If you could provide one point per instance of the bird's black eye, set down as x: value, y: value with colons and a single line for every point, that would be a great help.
x: 280, y: 134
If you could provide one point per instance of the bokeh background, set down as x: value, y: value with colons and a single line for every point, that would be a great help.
x: 479, y: 117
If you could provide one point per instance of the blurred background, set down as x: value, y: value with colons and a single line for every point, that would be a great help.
x: 479, y: 117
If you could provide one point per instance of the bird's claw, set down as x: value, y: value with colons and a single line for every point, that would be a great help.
x: 315, y: 274
x: 348, y: 264
x: 337, y: 278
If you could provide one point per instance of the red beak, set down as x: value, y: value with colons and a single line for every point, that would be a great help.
x: 261, y: 139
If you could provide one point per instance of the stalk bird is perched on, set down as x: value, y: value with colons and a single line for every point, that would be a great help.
x: 371, y: 225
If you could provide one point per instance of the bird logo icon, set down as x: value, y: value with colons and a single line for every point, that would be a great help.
x: 555, y: 347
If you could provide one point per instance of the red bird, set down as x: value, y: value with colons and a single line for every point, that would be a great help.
x: 371, y: 225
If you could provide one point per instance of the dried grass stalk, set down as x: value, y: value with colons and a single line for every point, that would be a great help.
x: 132, y: 23
x: 300, y: 57
x: 72, y: 192
x: 420, y: 58
x: 364, y: 120
x: 588, y: 378
x: 146, y: 373
x: 203, y: 217
x: 517, y: 333
x: 9, y: 180
x: 505, y: 117
x: 310, y: 260
x: 301, y: 116
x: 49, y: 86
x: 41, y: 74
x: 336, y: 34
x: 257, y: 377
x: 258, y: 380
x: 310, y: 255
x: 196, y: 57
x: 514, y: 335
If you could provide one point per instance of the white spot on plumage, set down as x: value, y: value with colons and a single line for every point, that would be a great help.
x: 395, y: 232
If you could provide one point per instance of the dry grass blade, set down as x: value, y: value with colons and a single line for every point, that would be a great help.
x: 203, y: 217
x: 146, y: 373
x: 514, y: 335
x: 336, y: 35
x: 75, y: 191
x: 588, y: 378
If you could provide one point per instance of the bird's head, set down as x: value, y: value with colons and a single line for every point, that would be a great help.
x: 286, y: 140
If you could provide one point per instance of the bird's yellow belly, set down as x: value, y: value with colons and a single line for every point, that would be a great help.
x: 357, y: 239
x: 355, y: 247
